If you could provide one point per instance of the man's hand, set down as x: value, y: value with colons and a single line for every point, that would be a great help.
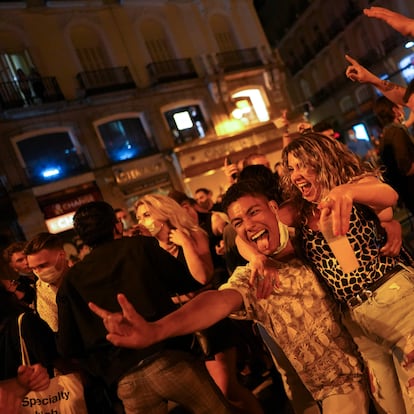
x: 394, y: 238
x: 34, y: 377
x: 127, y: 329
x: 357, y: 72
x: 230, y: 171
x: 401, y: 23
x: 264, y: 275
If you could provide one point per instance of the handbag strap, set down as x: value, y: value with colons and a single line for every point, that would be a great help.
x: 23, y: 348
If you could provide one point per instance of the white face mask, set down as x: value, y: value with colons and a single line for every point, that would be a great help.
x: 50, y: 274
x: 283, y: 237
x: 152, y: 226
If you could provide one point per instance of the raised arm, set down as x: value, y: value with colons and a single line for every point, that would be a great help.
x: 129, y: 329
x: 401, y: 23
x: 394, y: 92
x: 196, y: 252
x: 369, y: 191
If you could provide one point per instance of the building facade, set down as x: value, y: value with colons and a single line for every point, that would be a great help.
x: 317, y: 35
x: 103, y: 99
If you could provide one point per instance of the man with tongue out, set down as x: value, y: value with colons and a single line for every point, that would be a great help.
x: 298, y: 315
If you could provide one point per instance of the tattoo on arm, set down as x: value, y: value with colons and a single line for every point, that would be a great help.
x: 388, y: 86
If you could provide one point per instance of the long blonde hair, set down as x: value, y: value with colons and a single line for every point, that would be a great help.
x: 166, y: 209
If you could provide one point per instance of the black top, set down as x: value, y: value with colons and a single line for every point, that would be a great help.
x: 39, y: 339
x: 135, y: 266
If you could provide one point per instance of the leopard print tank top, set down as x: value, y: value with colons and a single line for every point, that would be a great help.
x: 366, y: 240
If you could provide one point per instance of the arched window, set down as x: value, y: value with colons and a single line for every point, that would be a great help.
x: 50, y: 155
x: 125, y: 136
x: 186, y: 121
x: 346, y: 104
x: 363, y: 93
x: 304, y: 85
x: 89, y: 48
x: 223, y: 33
x: 156, y: 41
x: 250, y: 106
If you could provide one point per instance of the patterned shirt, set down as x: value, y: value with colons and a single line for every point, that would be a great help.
x: 46, y: 305
x: 365, y: 240
x: 301, y: 318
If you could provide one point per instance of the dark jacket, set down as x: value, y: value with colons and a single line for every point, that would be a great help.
x: 135, y: 266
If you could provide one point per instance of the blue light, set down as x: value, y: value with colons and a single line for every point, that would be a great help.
x: 50, y: 172
x: 409, y: 44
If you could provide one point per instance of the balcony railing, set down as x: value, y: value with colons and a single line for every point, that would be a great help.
x: 239, y: 59
x: 41, y: 90
x: 99, y: 81
x: 171, y: 70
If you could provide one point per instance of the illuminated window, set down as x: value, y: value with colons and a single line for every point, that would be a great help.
x: 406, y: 66
x: 50, y: 156
x: 186, y: 123
x: 126, y: 138
x: 250, y: 107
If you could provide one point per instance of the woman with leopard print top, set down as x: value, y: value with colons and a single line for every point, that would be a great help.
x: 327, y: 181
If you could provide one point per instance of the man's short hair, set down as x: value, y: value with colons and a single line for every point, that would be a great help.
x: 15, y: 247
x: 94, y: 223
x: 43, y: 241
x: 203, y: 190
x: 265, y: 177
x: 384, y: 110
x: 242, y: 189
x: 181, y: 197
x: 322, y: 126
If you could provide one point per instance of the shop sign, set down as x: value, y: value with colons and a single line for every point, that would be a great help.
x: 61, y: 223
x: 63, y: 206
x: 124, y: 176
x: 221, y: 149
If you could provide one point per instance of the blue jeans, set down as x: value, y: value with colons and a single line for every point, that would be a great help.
x: 171, y: 376
x: 384, y: 333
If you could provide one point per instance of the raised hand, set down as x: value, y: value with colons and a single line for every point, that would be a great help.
x: 127, y: 329
x: 357, y: 72
x: 401, y: 23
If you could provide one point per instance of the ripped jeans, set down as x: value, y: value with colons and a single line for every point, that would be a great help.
x: 383, y: 329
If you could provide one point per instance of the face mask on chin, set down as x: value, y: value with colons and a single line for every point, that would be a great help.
x: 153, y: 227
x: 50, y: 274
x: 283, y: 237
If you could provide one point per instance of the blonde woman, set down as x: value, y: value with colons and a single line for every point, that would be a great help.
x: 162, y: 217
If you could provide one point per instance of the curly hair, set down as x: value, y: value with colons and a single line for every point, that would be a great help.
x: 333, y: 163
x: 166, y: 209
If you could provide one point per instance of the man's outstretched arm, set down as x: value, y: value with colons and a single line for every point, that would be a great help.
x: 394, y: 92
x: 397, y: 21
x: 129, y: 329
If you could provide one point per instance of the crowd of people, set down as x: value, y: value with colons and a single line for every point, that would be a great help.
x: 299, y: 266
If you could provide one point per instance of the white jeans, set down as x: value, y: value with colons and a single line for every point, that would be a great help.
x: 384, y: 333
